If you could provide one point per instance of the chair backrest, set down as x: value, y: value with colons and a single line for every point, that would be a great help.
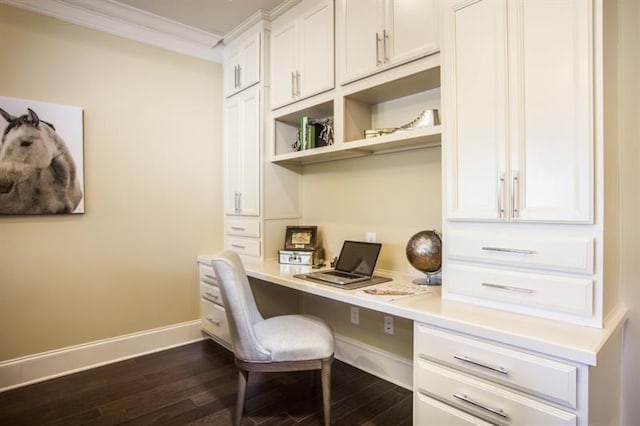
x: 240, y: 307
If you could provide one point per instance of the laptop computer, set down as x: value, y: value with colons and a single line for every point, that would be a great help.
x: 356, y: 263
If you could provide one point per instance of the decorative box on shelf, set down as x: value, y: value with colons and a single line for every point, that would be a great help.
x: 301, y: 246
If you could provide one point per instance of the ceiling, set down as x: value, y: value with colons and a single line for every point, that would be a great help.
x: 214, y: 16
x: 191, y: 27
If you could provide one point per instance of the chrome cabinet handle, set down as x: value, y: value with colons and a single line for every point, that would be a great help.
x: 211, y: 277
x: 239, y: 76
x: 515, y: 196
x: 481, y: 364
x: 235, y: 76
x: 378, y: 61
x: 238, y: 228
x: 238, y: 246
x: 211, y: 295
x: 297, y: 83
x: 508, y: 250
x: 510, y: 288
x: 293, y: 84
x: 468, y: 400
x: 212, y: 321
x: 385, y: 37
x: 500, y: 195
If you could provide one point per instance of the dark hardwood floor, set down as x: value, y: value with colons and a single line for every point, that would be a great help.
x: 196, y: 384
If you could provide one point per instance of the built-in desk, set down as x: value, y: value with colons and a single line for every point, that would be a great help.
x: 581, y: 361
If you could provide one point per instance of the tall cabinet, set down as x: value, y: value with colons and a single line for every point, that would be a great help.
x: 522, y: 157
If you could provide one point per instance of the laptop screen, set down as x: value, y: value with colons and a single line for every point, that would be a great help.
x: 357, y: 257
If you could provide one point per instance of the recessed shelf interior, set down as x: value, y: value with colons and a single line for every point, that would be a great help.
x: 392, y: 104
x: 286, y: 126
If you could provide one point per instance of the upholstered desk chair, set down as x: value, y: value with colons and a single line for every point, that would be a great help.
x: 278, y: 344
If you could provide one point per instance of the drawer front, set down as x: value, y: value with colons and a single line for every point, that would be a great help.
x: 207, y: 274
x: 211, y: 293
x: 569, y: 295
x: 429, y: 411
x: 214, y: 321
x: 243, y: 246
x: 548, y: 379
x: 560, y: 253
x: 489, y: 401
x: 242, y: 228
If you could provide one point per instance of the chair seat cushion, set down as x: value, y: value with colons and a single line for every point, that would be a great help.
x: 295, y: 338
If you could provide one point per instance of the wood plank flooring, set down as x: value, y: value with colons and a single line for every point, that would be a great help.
x: 196, y: 384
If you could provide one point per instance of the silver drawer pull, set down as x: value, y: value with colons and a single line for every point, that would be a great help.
x: 238, y: 246
x: 480, y: 364
x: 495, y: 411
x: 211, y: 277
x: 510, y: 288
x: 211, y: 295
x: 508, y: 250
x: 212, y: 321
x: 238, y: 228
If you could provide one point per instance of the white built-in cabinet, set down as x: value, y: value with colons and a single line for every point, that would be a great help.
x: 242, y: 153
x: 521, y: 141
x: 374, y: 35
x: 302, y: 52
x: 241, y: 67
x: 520, y: 82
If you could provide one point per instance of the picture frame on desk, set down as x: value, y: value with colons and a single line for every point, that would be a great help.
x: 301, y: 238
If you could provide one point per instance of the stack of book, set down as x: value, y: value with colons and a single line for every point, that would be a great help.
x: 309, y: 134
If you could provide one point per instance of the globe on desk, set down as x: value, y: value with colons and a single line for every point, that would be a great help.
x: 424, y: 252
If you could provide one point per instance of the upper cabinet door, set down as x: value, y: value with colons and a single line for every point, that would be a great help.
x: 283, y: 62
x: 242, y: 63
x: 302, y: 52
x: 315, y: 54
x: 360, y: 37
x: 552, y: 128
x: 410, y: 30
x: 475, y: 109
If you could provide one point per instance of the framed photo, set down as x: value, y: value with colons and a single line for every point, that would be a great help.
x: 301, y: 238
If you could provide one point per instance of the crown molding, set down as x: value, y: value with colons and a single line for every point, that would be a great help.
x: 115, y: 18
x: 259, y: 16
x: 282, y: 8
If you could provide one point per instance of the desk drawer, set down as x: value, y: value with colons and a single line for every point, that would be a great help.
x: 214, y: 320
x: 548, y: 379
x: 211, y: 293
x: 429, y: 411
x: 489, y: 401
x: 243, y: 246
x: 242, y: 228
x: 543, y: 251
x: 207, y: 274
x: 553, y: 293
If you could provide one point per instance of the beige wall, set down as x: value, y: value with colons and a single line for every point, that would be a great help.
x: 394, y: 195
x: 152, y: 146
x: 630, y: 202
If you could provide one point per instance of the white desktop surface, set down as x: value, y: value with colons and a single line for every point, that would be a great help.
x: 572, y: 342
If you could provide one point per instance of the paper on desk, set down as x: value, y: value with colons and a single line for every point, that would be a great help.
x: 393, y: 291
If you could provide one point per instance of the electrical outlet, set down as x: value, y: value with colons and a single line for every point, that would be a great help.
x: 371, y: 237
x: 355, y: 315
x: 388, y: 325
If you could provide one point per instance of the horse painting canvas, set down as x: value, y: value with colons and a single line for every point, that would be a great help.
x: 41, y: 164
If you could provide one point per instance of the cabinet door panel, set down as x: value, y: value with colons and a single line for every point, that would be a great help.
x: 316, y: 50
x: 231, y: 61
x: 250, y: 67
x: 283, y: 63
x: 232, y: 154
x: 360, y: 26
x: 476, y: 107
x: 552, y: 125
x: 429, y: 411
x: 411, y: 30
x: 250, y: 157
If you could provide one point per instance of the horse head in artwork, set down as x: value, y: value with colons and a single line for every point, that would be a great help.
x: 37, y: 171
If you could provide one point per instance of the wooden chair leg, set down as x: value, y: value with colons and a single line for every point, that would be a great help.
x: 243, y: 378
x: 326, y: 390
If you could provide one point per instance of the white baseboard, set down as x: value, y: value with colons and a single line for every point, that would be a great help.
x: 387, y: 366
x: 47, y: 365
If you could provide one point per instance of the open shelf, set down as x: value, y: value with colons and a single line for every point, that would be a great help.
x: 410, y: 139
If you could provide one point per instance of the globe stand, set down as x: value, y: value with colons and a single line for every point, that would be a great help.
x: 431, y: 278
